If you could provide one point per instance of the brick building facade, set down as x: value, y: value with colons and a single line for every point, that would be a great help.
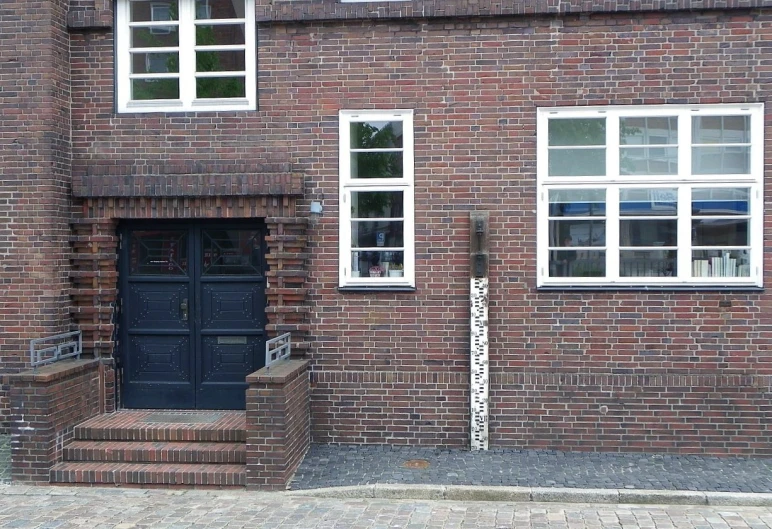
x: 666, y: 361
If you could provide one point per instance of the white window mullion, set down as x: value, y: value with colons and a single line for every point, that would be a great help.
x: 612, y: 233
x: 123, y: 56
x: 684, y: 233
x: 612, y: 146
x: 187, y: 52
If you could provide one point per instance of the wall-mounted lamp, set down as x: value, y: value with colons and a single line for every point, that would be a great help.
x: 316, y: 211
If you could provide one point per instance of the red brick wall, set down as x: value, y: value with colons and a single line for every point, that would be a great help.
x: 278, y: 423
x: 475, y: 85
x: 34, y: 178
x: 45, y: 407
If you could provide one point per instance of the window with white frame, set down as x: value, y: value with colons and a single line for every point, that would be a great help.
x: 650, y: 196
x: 185, y: 55
x: 376, y: 199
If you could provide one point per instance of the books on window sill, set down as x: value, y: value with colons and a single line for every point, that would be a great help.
x: 723, y: 266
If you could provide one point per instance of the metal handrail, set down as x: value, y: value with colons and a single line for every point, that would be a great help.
x: 277, y: 349
x: 66, y: 347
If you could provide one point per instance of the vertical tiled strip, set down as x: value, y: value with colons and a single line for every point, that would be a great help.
x: 479, y: 362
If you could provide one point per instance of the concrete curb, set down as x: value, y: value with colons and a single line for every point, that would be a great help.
x: 541, y: 494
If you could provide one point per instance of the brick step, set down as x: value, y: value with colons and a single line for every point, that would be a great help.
x: 156, y: 452
x: 139, y: 426
x: 148, y: 474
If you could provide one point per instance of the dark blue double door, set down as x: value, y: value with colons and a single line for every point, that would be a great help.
x: 192, y: 314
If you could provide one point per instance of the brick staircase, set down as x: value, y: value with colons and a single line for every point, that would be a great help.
x: 157, y: 448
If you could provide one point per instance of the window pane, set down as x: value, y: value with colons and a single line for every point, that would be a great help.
x: 377, y: 263
x: 376, y: 204
x: 721, y: 160
x: 721, y: 263
x: 578, y: 232
x: 648, y: 232
x: 577, y: 162
x: 231, y: 252
x: 720, y: 232
x: 376, y: 135
x: 721, y: 201
x: 218, y: 9
x: 721, y: 129
x: 648, y: 160
x: 577, y: 263
x: 376, y: 165
x: 219, y: 35
x: 148, y: 89
x: 152, y: 10
x: 159, y: 37
x: 379, y: 233
x: 220, y: 61
x: 158, y: 252
x: 652, y: 263
x: 569, y: 132
x: 577, y: 202
x: 155, y: 63
x: 648, y: 202
x: 220, y: 87
x: 648, y: 131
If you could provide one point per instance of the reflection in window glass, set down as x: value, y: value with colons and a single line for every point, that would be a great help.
x: 648, y: 201
x: 721, y: 229
x: 721, y: 129
x: 376, y: 204
x: 572, y: 132
x: 376, y: 135
x: 232, y: 252
x: 376, y: 164
x: 577, y: 230
x: 158, y: 253
x: 648, y: 131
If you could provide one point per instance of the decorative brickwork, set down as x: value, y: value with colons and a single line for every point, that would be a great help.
x: 278, y: 423
x: 295, y: 10
x: 95, y: 253
x: 46, y: 404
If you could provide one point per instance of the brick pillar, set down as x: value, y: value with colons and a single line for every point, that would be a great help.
x: 46, y: 404
x: 278, y: 423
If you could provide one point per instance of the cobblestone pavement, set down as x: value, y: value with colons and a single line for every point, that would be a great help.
x: 5, y: 458
x: 345, y: 465
x: 63, y: 507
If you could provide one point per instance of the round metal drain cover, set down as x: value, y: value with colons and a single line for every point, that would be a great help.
x: 416, y: 463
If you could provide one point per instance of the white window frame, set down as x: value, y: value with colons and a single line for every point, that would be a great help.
x: 684, y: 182
x: 187, y: 61
x: 406, y: 185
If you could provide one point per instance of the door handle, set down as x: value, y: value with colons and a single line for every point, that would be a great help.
x: 184, y: 308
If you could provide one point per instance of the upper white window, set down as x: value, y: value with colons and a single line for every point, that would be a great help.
x: 185, y: 55
x: 376, y: 199
x: 662, y: 196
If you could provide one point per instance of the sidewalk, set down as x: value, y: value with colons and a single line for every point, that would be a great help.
x: 393, y: 471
